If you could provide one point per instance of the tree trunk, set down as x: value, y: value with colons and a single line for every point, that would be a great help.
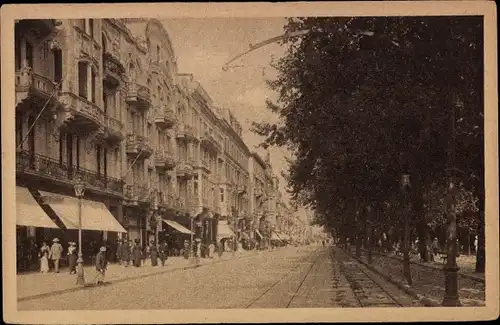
x: 481, y: 254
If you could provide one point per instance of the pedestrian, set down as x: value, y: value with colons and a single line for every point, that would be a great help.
x: 145, y: 253
x: 163, y: 252
x: 44, y: 258
x: 72, y: 257
x: 101, y: 264
x: 119, y: 248
x: 186, y: 249
x: 126, y: 252
x: 475, y: 243
x: 137, y: 253
x: 56, y: 253
x: 153, y: 251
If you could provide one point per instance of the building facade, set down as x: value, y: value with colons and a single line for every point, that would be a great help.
x: 146, y: 140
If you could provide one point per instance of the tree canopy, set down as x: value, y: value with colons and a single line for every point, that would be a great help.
x: 363, y: 100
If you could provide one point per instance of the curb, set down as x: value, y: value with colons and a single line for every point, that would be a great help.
x: 68, y: 290
x: 426, y: 302
x: 470, y: 276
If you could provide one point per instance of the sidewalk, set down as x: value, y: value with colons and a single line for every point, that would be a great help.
x: 428, y: 281
x: 35, y: 285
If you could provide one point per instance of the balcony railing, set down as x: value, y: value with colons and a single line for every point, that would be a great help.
x: 29, y: 163
x: 113, y: 68
x: 139, y: 95
x: 138, y: 145
x: 137, y: 192
x: 165, y: 117
x: 114, y: 128
x: 184, y: 170
x: 209, y: 142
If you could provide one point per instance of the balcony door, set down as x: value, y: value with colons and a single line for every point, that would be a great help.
x: 69, y: 154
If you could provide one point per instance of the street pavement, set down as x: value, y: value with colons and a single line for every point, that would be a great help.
x: 291, y: 277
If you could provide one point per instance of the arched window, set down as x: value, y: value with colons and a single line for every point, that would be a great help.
x: 158, y: 53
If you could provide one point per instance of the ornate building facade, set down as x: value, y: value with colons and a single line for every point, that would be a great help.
x: 146, y: 140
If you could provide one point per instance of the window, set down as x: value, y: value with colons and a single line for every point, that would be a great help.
x: 158, y: 54
x: 222, y: 195
x: 57, y: 66
x: 91, y: 28
x: 31, y: 135
x: 105, y: 99
x: 94, y: 76
x: 104, y: 44
x: 82, y: 79
x: 61, y: 147
x: 29, y: 54
x: 105, y: 154
x: 18, y: 53
x: 77, y: 152
x: 98, y: 160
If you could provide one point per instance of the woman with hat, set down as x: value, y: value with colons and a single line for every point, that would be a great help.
x: 44, y: 258
x: 72, y: 257
x: 137, y: 253
x: 101, y: 264
x: 153, y: 251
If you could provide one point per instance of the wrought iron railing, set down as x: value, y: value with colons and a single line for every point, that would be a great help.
x: 35, y: 164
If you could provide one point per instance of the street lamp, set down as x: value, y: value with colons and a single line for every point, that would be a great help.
x: 79, y: 188
x: 405, y: 187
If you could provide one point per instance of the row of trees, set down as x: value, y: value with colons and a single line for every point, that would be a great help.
x: 364, y: 100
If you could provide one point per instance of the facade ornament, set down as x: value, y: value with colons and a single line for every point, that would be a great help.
x: 54, y: 45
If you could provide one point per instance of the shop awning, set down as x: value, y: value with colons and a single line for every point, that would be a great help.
x: 223, y: 230
x: 95, y: 215
x: 29, y: 212
x: 177, y: 226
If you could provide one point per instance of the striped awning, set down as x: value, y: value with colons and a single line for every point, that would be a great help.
x: 177, y: 226
x: 95, y: 215
x: 29, y: 212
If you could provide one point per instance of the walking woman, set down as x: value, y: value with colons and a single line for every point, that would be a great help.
x: 163, y: 252
x: 153, y: 251
x: 72, y: 258
x: 44, y: 258
x: 125, y: 252
x: 137, y: 253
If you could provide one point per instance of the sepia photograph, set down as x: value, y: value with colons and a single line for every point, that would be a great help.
x: 231, y: 161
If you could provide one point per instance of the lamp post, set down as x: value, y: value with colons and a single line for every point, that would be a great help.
x: 405, y: 187
x: 79, y: 188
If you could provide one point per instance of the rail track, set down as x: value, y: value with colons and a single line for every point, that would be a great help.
x: 315, y: 259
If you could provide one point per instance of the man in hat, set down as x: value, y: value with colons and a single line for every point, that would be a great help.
x: 101, y: 264
x: 56, y: 253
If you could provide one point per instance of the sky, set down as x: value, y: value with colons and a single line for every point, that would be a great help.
x: 203, y: 45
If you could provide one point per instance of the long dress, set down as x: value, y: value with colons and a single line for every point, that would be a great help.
x: 137, y: 255
x: 44, y: 259
x: 72, y: 259
x: 163, y: 253
x: 153, y: 251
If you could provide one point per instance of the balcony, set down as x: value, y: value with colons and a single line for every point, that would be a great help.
x: 209, y: 142
x: 137, y: 193
x: 114, y: 130
x: 40, y: 28
x: 185, y: 170
x: 186, y: 132
x: 114, y: 71
x: 138, y: 145
x: 138, y: 95
x: 33, y: 90
x: 29, y: 164
x: 164, y: 159
x: 84, y: 115
x: 165, y: 117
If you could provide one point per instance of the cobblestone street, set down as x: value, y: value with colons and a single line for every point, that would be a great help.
x: 291, y: 277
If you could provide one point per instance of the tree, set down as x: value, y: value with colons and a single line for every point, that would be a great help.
x: 358, y: 109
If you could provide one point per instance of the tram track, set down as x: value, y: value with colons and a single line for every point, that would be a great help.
x: 318, y: 254
x: 361, y: 282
